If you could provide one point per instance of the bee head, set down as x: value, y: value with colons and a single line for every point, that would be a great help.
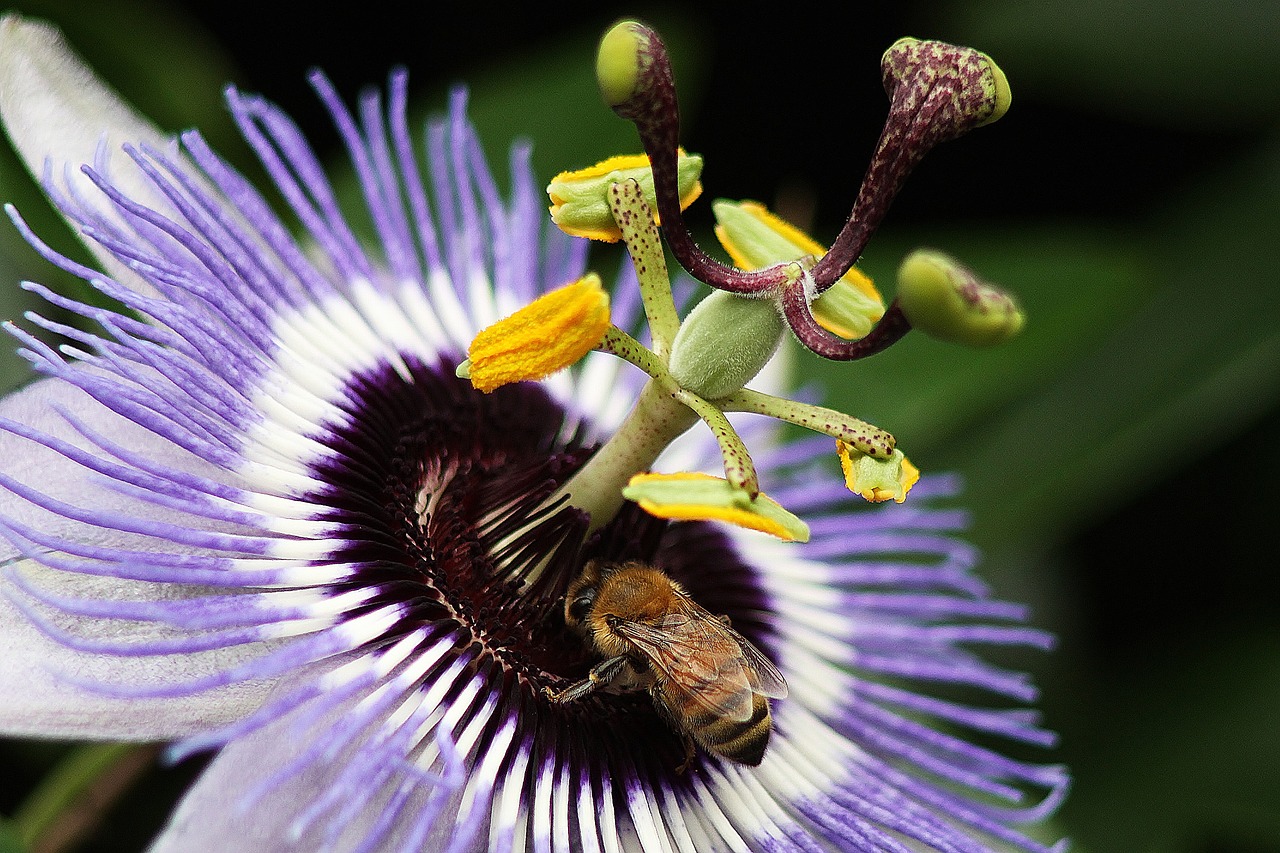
x: 577, y: 608
x: 581, y: 597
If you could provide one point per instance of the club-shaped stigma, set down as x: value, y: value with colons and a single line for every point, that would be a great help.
x: 634, y: 73
x: 937, y: 92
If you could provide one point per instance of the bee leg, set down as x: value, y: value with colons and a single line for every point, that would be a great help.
x: 689, y: 753
x: 600, y: 676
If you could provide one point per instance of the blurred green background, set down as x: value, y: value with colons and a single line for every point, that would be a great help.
x: 1121, y: 457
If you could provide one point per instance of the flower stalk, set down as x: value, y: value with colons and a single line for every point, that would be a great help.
x: 72, y: 799
x: 656, y: 420
x: 699, y: 368
x: 867, y: 438
x: 937, y: 92
x: 634, y: 73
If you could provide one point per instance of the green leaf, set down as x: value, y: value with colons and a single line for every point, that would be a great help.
x: 1174, y: 381
x: 59, y: 791
x: 9, y: 840
x: 1179, y: 754
x: 1136, y: 358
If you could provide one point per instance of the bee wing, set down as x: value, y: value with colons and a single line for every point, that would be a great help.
x: 761, y: 673
x: 700, y: 658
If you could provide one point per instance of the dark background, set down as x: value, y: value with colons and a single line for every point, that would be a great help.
x: 1121, y: 456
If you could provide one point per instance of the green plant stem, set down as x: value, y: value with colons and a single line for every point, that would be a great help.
x: 654, y: 423
x: 866, y: 437
x: 72, y: 799
x: 644, y: 245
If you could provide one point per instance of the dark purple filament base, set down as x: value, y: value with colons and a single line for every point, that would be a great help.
x: 459, y: 572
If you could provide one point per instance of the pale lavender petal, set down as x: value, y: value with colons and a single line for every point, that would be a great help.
x: 51, y: 408
x: 60, y: 116
x: 41, y: 679
x: 257, y: 794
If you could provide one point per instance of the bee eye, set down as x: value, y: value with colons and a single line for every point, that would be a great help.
x: 581, y: 606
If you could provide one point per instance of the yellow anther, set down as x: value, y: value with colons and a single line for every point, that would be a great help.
x: 580, y: 200
x: 549, y: 334
x: 755, y: 238
x: 690, y: 496
x: 874, y: 479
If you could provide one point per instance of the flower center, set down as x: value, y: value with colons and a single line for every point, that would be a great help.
x: 437, y: 484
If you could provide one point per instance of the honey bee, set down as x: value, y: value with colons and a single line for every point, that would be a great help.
x: 705, y: 679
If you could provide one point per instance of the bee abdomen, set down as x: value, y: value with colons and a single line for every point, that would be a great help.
x: 744, y: 741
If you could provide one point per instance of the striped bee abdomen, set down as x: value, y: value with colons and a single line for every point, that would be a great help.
x: 742, y: 741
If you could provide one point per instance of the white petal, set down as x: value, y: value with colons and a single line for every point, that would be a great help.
x: 57, y: 112
x: 39, y: 694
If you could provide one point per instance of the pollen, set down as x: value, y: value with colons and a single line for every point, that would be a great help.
x: 547, y: 335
